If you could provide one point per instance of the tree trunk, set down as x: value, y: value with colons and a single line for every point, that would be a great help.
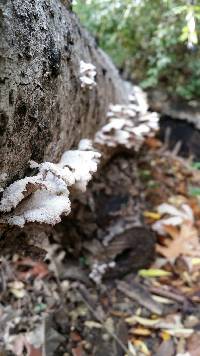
x: 43, y: 108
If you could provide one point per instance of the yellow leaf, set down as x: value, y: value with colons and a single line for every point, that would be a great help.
x: 18, y: 293
x: 165, y: 335
x: 17, y: 289
x: 151, y: 215
x: 153, y: 272
x: 140, y: 331
x: 92, y: 324
x: 143, y: 321
x: 195, y: 261
x: 162, y: 299
x: 142, y: 347
x: 177, y: 200
x: 131, y: 349
x: 180, y: 332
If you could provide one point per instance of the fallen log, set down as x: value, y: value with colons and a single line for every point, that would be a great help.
x: 45, y: 108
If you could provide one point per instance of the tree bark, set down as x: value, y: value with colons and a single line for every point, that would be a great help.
x: 43, y: 109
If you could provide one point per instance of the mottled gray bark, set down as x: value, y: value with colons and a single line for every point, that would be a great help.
x: 43, y: 109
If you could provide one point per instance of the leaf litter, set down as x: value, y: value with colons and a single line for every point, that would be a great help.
x: 148, y: 303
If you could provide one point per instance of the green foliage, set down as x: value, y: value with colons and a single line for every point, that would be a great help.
x: 194, y: 191
x: 149, y: 39
x: 196, y: 165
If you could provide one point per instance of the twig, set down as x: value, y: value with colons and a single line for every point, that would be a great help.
x: 168, y: 294
x: 97, y: 317
x: 44, y: 332
x: 176, y: 148
x: 186, y: 163
x: 141, y: 295
x: 166, y: 140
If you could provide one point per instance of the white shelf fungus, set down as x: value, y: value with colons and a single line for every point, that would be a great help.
x: 83, y: 164
x: 3, y: 177
x: 140, y: 97
x: 16, y: 192
x: 45, y: 197
x: 85, y: 145
x: 43, y: 207
x: 127, y: 126
x: 47, y: 193
x: 87, y: 75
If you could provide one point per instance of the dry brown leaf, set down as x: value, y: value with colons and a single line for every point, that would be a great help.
x: 184, y: 242
x: 32, y: 268
x: 140, y: 331
x: 153, y: 142
x: 166, y: 348
x: 77, y: 351
x: 141, y: 347
x: 193, y: 344
x: 35, y: 352
x: 172, y: 231
x: 20, y: 343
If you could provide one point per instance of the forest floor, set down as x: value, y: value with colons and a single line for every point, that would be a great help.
x: 126, y: 281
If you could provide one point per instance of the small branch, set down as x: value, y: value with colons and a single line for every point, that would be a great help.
x: 168, y: 294
x: 97, y: 317
x: 141, y: 295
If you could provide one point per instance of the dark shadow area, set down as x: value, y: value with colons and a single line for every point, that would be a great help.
x: 180, y: 131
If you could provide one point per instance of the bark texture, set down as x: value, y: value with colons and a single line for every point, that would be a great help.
x: 43, y: 109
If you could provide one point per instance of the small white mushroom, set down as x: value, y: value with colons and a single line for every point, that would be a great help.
x: 87, y: 75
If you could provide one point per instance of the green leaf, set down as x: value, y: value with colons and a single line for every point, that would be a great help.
x: 196, y: 165
x: 194, y: 191
x: 153, y: 272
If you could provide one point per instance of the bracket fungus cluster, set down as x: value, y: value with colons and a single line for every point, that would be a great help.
x: 127, y: 126
x: 87, y: 74
x: 45, y: 196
